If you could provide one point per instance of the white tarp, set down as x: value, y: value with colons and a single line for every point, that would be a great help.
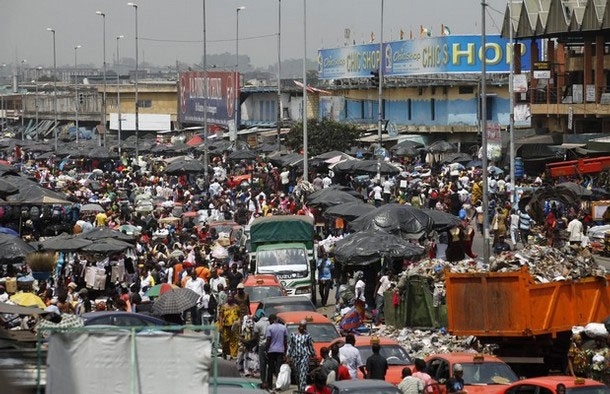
x: 100, y: 362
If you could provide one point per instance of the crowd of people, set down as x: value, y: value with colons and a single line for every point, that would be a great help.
x: 169, y: 216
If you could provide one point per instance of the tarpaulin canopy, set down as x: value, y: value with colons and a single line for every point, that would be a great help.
x: 277, y: 229
x: 367, y: 247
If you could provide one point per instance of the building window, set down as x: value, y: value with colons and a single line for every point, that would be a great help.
x: 409, y: 109
x: 433, y: 109
x: 466, y: 90
x: 489, y: 108
x: 144, y: 103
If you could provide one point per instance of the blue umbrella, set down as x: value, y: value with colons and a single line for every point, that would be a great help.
x: 8, y: 231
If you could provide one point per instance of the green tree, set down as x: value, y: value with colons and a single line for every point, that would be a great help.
x: 323, y: 136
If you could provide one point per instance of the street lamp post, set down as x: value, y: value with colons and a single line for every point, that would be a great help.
x: 206, y: 154
x: 237, y: 66
x: 36, y: 99
x: 21, y: 78
x: 77, y: 101
x: 380, y: 97
x: 118, y: 91
x: 135, y: 7
x: 305, y: 142
x: 103, y: 15
x: 279, y: 73
x: 2, y: 103
x: 484, y: 158
x: 54, y: 87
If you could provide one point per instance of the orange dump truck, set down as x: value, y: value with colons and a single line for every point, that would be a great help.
x: 529, y: 322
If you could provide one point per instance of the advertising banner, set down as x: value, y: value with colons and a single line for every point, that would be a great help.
x: 220, y: 97
x: 432, y: 55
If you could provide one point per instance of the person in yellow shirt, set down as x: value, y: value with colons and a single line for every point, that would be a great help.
x: 101, y: 219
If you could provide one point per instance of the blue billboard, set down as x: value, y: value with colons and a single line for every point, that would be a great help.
x: 432, y: 55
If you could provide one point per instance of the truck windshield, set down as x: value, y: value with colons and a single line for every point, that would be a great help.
x: 268, y: 258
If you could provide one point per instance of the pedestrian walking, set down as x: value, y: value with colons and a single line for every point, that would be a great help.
x: 300, y: 351
x: 376, y: 364
x: 275, y: 346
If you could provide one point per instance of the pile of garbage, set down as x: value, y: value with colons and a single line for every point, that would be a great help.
x: 545, y: 264
x: 422, y: 343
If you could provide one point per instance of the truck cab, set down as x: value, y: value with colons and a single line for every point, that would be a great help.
x: 283, y: 246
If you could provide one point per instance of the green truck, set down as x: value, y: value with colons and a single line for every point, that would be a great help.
x: 284, y: 246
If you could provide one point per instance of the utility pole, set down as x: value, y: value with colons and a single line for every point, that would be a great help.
x: 483, y: 95
x: 279, y: 74
x: 511, y: 92
x: 77, y: 98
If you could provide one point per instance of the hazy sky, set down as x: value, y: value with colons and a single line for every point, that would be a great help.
x: 171, y: 30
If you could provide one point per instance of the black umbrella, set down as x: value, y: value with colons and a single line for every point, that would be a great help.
x: 185, y: 166
x: 408, y: 221
x: 99, y: 233
x: 330, y: 197
x: 65, y: 242
x: 107, y: 245
x: 407, y: 143
x: 37, y: 195
x: 346, y: 189
x: 441, y: 147
x: 374, y: 167
x: 290, y: 158
x: 13, y: 248
x: 577, y: 189
x: 442, y: 220
x: 175, y: 301
x: 458, y: 157
x: 405, y: 151
x: 7, y: 188
x: 367, y: 247
x: 242, y: 155
x: 100, y: 153
x: 349, y: 210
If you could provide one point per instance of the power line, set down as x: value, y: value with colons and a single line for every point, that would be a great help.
x: 200, y: 41
x: 494, y: 22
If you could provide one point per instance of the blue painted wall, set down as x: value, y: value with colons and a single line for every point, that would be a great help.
x: 458, y: 112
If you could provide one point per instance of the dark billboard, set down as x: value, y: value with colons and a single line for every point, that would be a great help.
x: 220, y: 102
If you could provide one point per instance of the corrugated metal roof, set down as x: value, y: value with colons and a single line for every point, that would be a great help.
x: 556, y: 17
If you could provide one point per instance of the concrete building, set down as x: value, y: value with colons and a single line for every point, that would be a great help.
x: 568, y: 89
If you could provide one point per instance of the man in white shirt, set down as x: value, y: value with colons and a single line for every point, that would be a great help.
x: 196, y: 284
x: 351, y: 356
x: 382, y: 286
x: 376, y: 194
x: 285, y: 179
x: 387, y: 189
x: 575, y: 229
x: 326, y: 181
x: 215, y: 280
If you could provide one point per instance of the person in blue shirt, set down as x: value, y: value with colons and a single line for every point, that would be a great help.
x: 325, y: 279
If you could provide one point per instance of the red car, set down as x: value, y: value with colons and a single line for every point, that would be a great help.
x: 396, y: 355
x: 483, y: 373
x: 553, y: 384
x: 262, y: 286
